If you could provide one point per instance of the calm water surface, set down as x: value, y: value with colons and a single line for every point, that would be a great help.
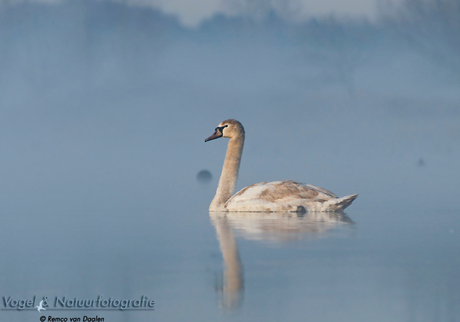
x: 359, y: 266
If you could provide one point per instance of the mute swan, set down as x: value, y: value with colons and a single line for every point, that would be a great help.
x: 265, y: 196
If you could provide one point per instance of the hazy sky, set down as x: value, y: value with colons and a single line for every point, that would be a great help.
x: 192, y: 12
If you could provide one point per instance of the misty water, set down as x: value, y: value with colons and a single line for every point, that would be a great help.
x: 104, y: 108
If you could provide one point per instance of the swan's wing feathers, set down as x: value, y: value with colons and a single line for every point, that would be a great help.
x: 286, y: 196
x: 283, y: 190
x: 326, y: 192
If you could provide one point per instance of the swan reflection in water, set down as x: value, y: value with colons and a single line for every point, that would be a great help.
x: 272, y: 227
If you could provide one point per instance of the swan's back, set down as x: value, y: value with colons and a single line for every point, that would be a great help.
x: 286, y: 196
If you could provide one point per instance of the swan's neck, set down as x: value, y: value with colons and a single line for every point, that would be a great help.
x: 227, y: 181
x: 233, y: 277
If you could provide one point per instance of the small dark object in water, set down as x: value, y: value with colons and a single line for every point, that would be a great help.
x: 204, y: 176
x: 421, y: 162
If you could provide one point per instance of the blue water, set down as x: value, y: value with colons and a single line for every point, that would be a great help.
x: 367, y: 265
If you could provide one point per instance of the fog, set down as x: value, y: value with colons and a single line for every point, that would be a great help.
x: 104, y: 108
x: 101, y: 98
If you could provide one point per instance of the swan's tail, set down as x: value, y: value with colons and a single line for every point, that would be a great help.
x: 340, y: 203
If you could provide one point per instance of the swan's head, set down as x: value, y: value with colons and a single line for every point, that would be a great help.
x: 227, y: 129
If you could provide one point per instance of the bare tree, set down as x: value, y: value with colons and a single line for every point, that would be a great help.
x: 260, y: 9
x: 432, y: 27
x: 337, y: 48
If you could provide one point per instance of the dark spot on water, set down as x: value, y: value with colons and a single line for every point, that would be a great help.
x: 421, y: 162
x: 204, y: 176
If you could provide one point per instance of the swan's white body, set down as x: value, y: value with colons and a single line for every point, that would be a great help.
x: 265, y: 196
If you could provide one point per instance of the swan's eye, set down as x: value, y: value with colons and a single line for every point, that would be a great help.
x: 221, y: 128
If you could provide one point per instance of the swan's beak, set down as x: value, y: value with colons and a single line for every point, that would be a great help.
x: 216, y: 135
